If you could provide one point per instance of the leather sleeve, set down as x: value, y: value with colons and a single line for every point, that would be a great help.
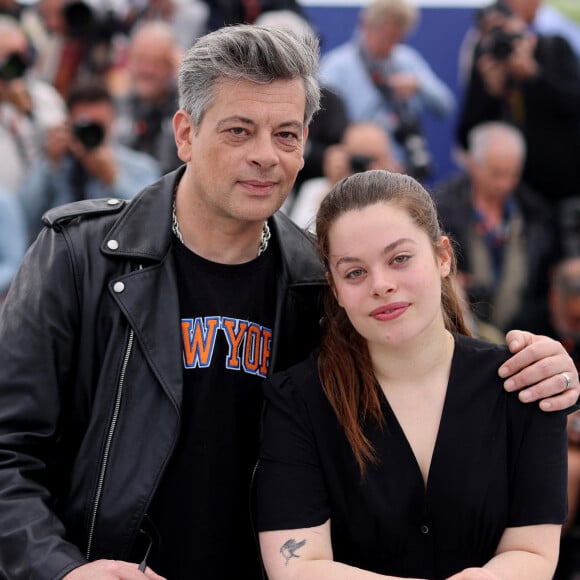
x: 37, y: 358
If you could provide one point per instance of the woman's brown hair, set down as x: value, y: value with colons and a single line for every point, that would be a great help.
x: 344, y: 364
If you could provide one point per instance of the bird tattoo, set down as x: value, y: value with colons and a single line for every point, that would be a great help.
x: 289, y: 548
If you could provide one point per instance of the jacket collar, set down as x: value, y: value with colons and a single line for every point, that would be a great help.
x: 144, y: 231
x: 299, y: 260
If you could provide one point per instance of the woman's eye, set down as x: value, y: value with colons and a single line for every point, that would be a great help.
x: 354, y: 273
x: 401, y: 259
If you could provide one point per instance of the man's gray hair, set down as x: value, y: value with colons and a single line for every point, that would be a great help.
x: 485, y: 135
x: 250, y: 53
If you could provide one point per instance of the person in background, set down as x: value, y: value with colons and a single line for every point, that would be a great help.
x: 531, y: 81
x: 13, y: 241
x: 360, y: 473
x: 227, y: 12
x: 188, y: 19
x: 144, y: 112
x: 82, y: 160
x: 136, y: 336
x: 78, y: 44
x: 544, y: 18
x: 363, y: 146
x: 386, y: 82
x: 28, y: 107
x: 540, y: 17
x: 504, y: 231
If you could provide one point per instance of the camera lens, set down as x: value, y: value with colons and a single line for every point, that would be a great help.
x: 360, y: 163
x: 89, y: 133
x: 13, y: 67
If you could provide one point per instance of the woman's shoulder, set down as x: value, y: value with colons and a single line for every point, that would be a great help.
x: 470, y: 347
x: 478, y: 360
x: 300, y: 381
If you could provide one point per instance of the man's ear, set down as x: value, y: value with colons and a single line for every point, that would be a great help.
x: 183, y: 131
x: 304, y: 139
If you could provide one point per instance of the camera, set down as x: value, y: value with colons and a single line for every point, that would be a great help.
x: 83, y: 21
x: 499, y: 43
x: 360, y: 163
x: 89, y: 133
x: 418, y: 157
x: 13, y: 67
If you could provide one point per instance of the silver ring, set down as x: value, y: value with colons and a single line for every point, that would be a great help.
x: 567, y: 379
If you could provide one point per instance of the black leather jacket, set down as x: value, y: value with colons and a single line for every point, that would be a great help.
x: 91, y: 380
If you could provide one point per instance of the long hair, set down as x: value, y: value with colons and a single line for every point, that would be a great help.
x: 344, y: 364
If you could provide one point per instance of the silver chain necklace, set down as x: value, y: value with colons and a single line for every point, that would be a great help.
x: 266, y: 235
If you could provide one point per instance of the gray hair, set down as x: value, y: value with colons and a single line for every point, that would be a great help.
x: 251, y: 53
x: 483, y: 136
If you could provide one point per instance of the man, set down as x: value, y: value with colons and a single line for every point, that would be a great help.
x: 503, y: 229
x: 531, y: 81
x: 145, y: 110
x: 28, y: 107
x: 544, y: 18
x: 135, y: 338
x: 82, y: 160
x: 386, y: 82
x: 539, y: 16
x: 363, y: 146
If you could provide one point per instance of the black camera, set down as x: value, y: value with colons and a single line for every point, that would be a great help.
x: 13, y: 67
x: 360, y: 163
x: 418, y: 157
x: 499, y: 43
x: 89, y: 133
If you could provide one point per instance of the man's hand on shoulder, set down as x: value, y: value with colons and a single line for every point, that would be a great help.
x: 111, y: 570
x: 539, y: 366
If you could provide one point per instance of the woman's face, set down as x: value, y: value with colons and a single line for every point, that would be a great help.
x: 385, y: 274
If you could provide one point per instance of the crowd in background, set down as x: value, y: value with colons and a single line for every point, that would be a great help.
x: 88, y: 93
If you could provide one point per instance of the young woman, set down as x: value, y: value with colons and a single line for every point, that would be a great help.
x: 394, y: 451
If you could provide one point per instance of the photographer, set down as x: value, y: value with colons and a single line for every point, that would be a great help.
x: 533, y: 82
x: 79, y: 42
x: 28, y: 107
x: 363, y: 146
x: 145, y: 112
x: 384, y: 81
x: 81, y: 159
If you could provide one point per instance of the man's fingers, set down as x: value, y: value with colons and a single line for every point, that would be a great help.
x: 537, y: 366
x: 536, y: 360
x: 554, y: 386
x: 518, y: 339
x: 566, y: 400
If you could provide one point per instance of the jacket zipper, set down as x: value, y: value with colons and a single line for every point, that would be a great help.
x: 109, y: 442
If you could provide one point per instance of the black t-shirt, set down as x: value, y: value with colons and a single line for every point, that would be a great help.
x: 201, y: 512
x: 497, y: 463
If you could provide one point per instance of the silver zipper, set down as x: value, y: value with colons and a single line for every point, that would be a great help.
x: 109, y: 442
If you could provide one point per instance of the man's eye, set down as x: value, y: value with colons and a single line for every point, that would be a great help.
x: 237, y: 131
x: 288, y: 135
